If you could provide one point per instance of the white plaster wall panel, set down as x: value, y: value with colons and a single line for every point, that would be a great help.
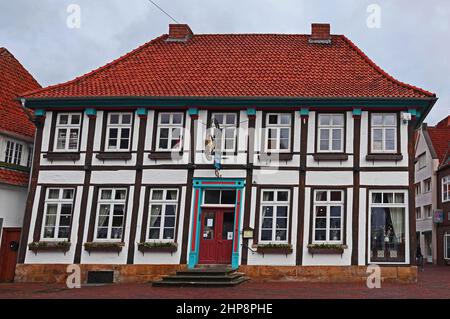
x: 258, y: 132
x: 330, y: 178
x: 176, y: 159
x: 61, y: 177
x: 33, y: 221
x: 241, y: 225
x: 160, y: 258
x: 88, y: 214
x: 98, y: 131
x: 201, y: 130
x: 84, y: 132
x: 384, y: 178
x: 311, y: 162
x: 365, y: 140
x: 58, y: 257
x: 362, y: 235
x: 278, y: 259
x: 238, y: 159
x: 12, y: 205
x: 137, y: 124
x: 328, y: 260
x: 113, y: 177
x: 275, y: 177
x: 98, y: 162
x: 243, y: 131
x: 311, y: 132
x: 46, y: 131
x: 164, y: 176
x: 149, y: 130
x: 349, y: 136
x: 297, y: 132
x: 113, y: 257
x: 46, y: 162
x: 226, y: 173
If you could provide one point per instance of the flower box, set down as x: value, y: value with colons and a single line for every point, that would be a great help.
x: 326, y: 249
x: 49, y: 246
x: 104, y: 247
x: 157, y: 247
x: 274, y: 249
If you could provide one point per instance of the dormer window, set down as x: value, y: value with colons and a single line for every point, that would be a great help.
x: 67, y: 132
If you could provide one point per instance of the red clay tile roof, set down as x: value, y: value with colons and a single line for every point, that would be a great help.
x: 14, y: 79
x: 440, y: 137
x: 14, y: 177
x: 238, y: 65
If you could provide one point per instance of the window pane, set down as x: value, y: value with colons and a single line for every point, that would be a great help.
x: 321, y: 211
x: 119, y: 210
x: 338, y: 119
x: 106, y: 194
x: 153, y: 233
x: 64, y: 220
x: 399, y: 197
x: 282, y: 211
x: 321, y: 223
x: 273, y: 119
x: 321, y: 196
x: 169, y: 222
x: 50, y: 220
x: 121, y: 194
x: 124, y: 143
x: 377, y: 119
x: 171, y: 194
x: 324, y: 119
x: 281, y: 235
x: 284, y: 144
x: 267, y: 223
x: 116, y: 232
x: 63, y: 119
x: 63, y: 232
x: 389, y: 119
x: 49, y: 232
x: 170, y: 210
x: 376, y: 197
x: 388, y: 198
x: 163, y: 143
x: 165, y: 118
x: 168, y: 233
x: 336, y: 196
x: 53, y: 193
x: 218, y: 118
x: 126, y: 118
x: 272, y: 133
x: 66, y: 209
x: 320, y: 235
x: 228, y: 197
x: 335, y: 235
x: 266, y: 235
x: 177, y: 118
x: 67, y: 193
x: 212, y: 197
x: 285, y: 119
x: 114, y: 119
x: 75, y: 119
x: 155, y: 210
x: 157, y: 194
x: 282, y: 196
x: 113, y: 133
x: 231, y: 119
x: 117, y: 221
x: 335, y: 211
x: 268, y: 196
x: 267, y: 211
x: 104, y: 210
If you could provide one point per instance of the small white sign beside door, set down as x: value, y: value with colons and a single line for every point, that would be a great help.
x: 230, y: 235
x: 210, y: 222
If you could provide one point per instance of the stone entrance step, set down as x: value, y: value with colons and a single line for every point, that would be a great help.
x: 203, y: 276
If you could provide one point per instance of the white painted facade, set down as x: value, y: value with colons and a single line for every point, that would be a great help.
x: 330, y: 175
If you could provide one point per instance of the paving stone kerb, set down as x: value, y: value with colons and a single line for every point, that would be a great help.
x: 56, y: 273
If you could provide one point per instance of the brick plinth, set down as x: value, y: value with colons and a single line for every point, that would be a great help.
x: 56, y: 273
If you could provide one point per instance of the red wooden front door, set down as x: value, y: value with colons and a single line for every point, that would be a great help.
x: 216, y: 237
x: 8, y: 253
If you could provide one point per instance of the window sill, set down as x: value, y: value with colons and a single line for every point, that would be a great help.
x: 114, y: 156
x: 276, y: 156
x: 384, y: 157
x: 62, y: 156
x: 330, y: 157
x: 164, y: 155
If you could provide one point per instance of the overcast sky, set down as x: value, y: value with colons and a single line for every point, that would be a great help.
x: 412, y: 43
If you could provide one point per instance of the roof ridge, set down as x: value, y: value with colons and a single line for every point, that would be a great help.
x: 95, y: 71
x: 384, y: 73
x: 5, y: 50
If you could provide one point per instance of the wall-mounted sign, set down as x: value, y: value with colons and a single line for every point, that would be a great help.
x: 247, y: 233
x: 438, y: 216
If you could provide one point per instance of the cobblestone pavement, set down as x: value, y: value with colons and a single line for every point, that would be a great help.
x: 434, y: 282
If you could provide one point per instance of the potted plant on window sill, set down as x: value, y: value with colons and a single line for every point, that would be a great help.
x: 38, y: 246
x: 326, y: 249
x: 114, y: 246
x: 274, y: 249
x: 157, y: 247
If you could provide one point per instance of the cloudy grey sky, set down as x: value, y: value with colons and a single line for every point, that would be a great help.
x: 412, y: 44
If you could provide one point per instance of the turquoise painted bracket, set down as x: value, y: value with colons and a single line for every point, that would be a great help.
x: 304, y: 111
x: 141, y: 111
x: 251, y: 112
x: 192, y: 111
x: 357, y: 112
x: 199, y: 184
x: 90, y: 112
x: 39, y: 112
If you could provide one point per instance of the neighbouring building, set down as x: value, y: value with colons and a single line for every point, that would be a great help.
x: 313, y: 162
x: 16, y: 153
x: 431, y: 149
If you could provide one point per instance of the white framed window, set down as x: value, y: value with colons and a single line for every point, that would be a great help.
x: 30, y: 156
x: 170, y: 131
x: 388, y: 220
x: 163, y: 213
x: 331, y: 133
x: 427, y: 211
x: 118, y: 131
x: 111, y: 209
x: 383, y: 128
x: 421, y: 162
x: 328, y: 216
x: 227, y: 122
x: 58, y: 208
x: 13, y: 152
x: 219, y: 197
x: 446, y: 188
x: 278, y: 132
x: 427, y: 185
x: 67, y: 131
x: 418, y: 213
x: 274, y: 215
x: 447, y: 246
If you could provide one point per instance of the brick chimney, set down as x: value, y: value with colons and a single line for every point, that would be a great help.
x: 320, y: 33
x: 179, y: 33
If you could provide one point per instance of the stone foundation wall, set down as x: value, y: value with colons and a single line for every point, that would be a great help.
x: 56, y: 273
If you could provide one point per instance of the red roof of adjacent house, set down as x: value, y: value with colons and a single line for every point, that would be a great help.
x: 440, y: 137
x: 14, y: 79
x: 12, y: 177
x: 238, y: 65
